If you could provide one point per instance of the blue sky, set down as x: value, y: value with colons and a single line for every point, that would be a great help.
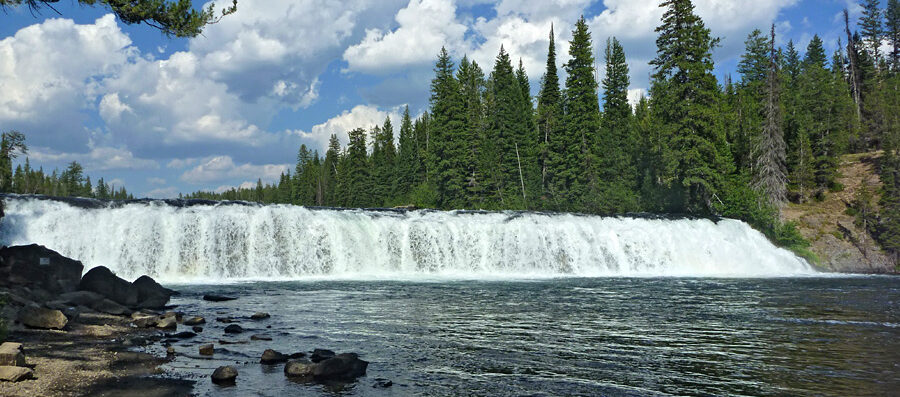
x: 165, y: 115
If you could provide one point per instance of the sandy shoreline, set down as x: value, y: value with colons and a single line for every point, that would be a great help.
x: 95, y: 357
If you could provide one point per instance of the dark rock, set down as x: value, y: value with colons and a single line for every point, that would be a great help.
x: 233, y: 329
x: 297, y: 355
x: 36, y: 265
x: 270, y: 357
x: 182, y: 335
x: 218, y: 298
x: 80, y: 298
x: 345, y: 366
x: 259, y: 316
x: 196, y: 320
x: 381, y: 383
x: 102, y: 281
x: 232, y: 342
x: 39, y: 317
x: 299, y: 369
x: 150, y: 294
x: 207, y: 349
x: 197, y: 329
x: 226, y: 320
x: 260, y: 337
x: 224, y: 375
x: 15, y: 374
x: 109, y: 307
x: 321, y: 355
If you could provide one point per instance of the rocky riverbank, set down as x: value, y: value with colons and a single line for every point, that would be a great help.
x: 84, y: 336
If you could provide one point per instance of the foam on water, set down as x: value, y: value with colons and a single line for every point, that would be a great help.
x: 226, y: 243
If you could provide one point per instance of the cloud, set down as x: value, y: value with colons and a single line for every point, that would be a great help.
x: 361, y: 116
x: 222, y: 168
x: 163, y: 192
x: 98, y: 159
x: 243, y: 185
x: 156, y: 181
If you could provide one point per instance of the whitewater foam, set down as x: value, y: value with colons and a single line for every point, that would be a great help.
x: 222, y: 243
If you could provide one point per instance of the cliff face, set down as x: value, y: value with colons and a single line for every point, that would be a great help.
x: 840, y: 244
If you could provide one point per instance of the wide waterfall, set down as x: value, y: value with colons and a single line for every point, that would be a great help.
x: 226, y: 242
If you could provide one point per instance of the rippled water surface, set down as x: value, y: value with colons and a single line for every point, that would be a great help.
x: 572, y: 337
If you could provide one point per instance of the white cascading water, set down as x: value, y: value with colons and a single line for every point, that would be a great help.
x: 206, y: 243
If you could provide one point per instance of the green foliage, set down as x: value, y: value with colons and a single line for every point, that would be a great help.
x: 174, y: 18
x: 549, y: 124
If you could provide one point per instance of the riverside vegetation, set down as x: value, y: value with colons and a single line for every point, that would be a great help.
x: 739, y: 148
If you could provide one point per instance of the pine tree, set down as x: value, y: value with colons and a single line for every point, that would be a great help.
x: 683, y: 95
x: 407, y: 158
x: 330, y: 171
x: 472, y: 86
x: 616, y: 149
x: 549, y: 122
x: 358, y: 177
x: 526, y: 143
x: 446, y: 141
x: 871, y: 24
x: 892, y: 31
x: 507, y: 132
x: 573, y: 169
x: 750, y: 98
x: 12, y: 143
x: 384, y: 163
x: 790, y: 68
x: 770, y: 171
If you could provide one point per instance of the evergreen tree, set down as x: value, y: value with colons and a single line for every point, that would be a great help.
x: 683, y: 95
x: 549, y: 121
x: 507, y: 135
x: 357, y: 176
x: 871, y: 24
x: 12, y: 143
x: 330, y: 175
x: 616, y: 149
x: 573, y: 169
x: 408, y: 162
x: 892, y: 32
x: 446, y: 141
x: 472, y: 86
x: 770, y: 171
x: 384, y: 163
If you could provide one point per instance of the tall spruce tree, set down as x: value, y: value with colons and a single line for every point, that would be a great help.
x: 573, y: 171
x: 616, y: 149
x: 507, y: 130
x: 408, y: 162
x: 447, y: 132
x: 384, y: 164
x: 770, y: 171
x: 549, y: 122
x: 871, y: 25
x: 357, y: 175
x: 683, y: 94
x: 892, y: 32
x: 472, y: 85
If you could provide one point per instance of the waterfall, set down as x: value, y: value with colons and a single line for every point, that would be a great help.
x: 211, y: 242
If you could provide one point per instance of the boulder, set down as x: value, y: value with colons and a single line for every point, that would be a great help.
x: 299, y: 369
x: 151, y: 295
x: 321, y: 355
x: 35, y: 265
x: 218, y: 298
x: 225, y: 375
x: 109, y: 307
x: 233, y: 329
x: 196, y: 320
x: 11, y: 354
x: 207, y: 349
x: 145, y: 321
x: 39, y: 317
x: 346, y: 366
x: 170, y: 351
x: 15, y: 374
x: 270, y: 357
x: 167, y: 323
x: 102, y: 281
x: 80, y: 298
x: 197, y: 329
x: 259, y: 316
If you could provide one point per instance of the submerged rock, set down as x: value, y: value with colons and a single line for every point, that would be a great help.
x: 102, y: 281
x: 38, y: 317
x: 226, y: 320
x: 225, y: 375
x: 207, y: 349
x: 15, y: 374
x: 381, y: 383
x: 259, y: 316
x: 321, y: 355
x: 197, y: 329
x: 233, y: 329
x: 182, y: 335
x: 272, y: 357
x: 260, y: 337
x: 196, y: 320
x: 218, y: 298
x: 345, y: 366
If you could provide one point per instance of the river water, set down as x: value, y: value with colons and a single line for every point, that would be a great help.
x: 831, y: 336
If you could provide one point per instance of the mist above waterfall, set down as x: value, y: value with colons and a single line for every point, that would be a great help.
x: 209, y: 243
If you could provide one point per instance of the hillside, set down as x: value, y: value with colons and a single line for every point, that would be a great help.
x: 839, y: 243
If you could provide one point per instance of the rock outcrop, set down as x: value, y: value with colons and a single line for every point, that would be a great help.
x: 37, y: 266
x: 102, y: 281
